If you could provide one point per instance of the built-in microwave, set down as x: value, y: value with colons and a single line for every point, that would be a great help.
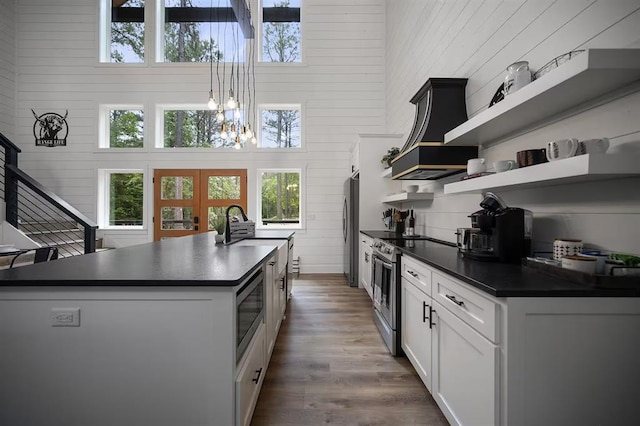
x: 249, y: 311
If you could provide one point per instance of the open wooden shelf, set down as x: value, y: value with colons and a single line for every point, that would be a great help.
x: 582, y: 168
x: 591, y: 74
x: 404, y: 197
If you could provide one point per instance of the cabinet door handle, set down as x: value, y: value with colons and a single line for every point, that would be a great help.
x: 454, y: 300
x: 413, y: 274
x: 258, y: 376
x: 273, y: 262
x: 431, y: 312
x: 366, y: 257
x: 282, y: 285
x: 424, y: 312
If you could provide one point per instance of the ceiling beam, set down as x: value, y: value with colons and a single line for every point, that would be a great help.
x: 241, y: 9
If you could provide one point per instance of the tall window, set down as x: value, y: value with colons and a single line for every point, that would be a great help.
x: 281, y: 31
x: 279, y: 198
x: 121, y: 126
x: 123, y: 32
x: 121, y: 199
x: 280, y: 126
x: 199, y: 31
x: 197, y: 128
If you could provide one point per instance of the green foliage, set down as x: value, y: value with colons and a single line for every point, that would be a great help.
x: 126, y: 192
x: 281, y: 196
x: 126, y: 129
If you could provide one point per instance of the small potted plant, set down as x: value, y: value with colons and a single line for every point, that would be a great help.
x: 389, y: 156
x: 218, y: 224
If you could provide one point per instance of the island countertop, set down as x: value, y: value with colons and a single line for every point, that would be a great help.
x: 186, y: 261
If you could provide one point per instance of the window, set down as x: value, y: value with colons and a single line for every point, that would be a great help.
x: 280, y: 126
x: 121, y: 126
x: 198, y: 31
x: 121, y: 199
x: 281, y: 31
x: 279, y: 198
x: 122, y: 32
x: 197, y: 128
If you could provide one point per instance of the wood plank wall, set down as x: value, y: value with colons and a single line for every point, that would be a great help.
x: 477, y: 40
x: 7, y: 67
x: 340, y: 85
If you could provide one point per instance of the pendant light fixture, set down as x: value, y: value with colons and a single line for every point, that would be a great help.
x: 236, y: 127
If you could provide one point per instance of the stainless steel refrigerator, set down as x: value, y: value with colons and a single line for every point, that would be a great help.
x: 350, y: 231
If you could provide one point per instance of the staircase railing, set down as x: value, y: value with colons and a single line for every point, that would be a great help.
x: 39, y: 212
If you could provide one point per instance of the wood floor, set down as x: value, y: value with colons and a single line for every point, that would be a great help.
x: 330, y: 365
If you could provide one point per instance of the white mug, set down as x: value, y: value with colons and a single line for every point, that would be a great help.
x: 504, y: 165
x: 475, y: 166
x: 563, y: 148
x: 593, y: 146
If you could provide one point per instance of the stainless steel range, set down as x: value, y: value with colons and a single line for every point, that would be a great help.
x: 386, y: 301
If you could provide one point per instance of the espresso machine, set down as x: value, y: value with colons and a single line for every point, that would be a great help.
x: 498, y: 233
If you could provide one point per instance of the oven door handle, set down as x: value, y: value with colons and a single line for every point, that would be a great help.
x: 383, y: 262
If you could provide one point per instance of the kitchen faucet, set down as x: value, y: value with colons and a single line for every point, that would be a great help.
x: 227, y: 229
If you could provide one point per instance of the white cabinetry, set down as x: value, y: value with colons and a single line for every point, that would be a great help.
x: 464, y: 367
x: 366, y: 251
x: 521, y: 360
x: 416, y: 329
x: 250, y: 378
x: 366, y: 155
x: 276, y: 295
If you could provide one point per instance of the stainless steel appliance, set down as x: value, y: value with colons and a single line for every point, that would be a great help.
x: 249, y: 311
x: 350, y: 231
x: 386, y: 300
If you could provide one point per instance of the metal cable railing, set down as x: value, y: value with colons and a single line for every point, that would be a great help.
x: 39, y: 213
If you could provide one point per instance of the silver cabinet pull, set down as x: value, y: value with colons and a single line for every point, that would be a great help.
x: 413, y: 274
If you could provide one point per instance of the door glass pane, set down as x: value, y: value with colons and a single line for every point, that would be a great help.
x: 216, y: 219
x: 224, y: 187
x: 177, y: 188
x: 177, y: 218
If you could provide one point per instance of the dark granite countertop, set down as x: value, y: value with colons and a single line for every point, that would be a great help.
x: 185, y: 261
x: 498, y: 279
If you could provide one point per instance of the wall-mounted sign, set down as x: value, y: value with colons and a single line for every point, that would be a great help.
x: 50, y: 129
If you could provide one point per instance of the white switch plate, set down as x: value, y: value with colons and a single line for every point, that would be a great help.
x: 65, y: 317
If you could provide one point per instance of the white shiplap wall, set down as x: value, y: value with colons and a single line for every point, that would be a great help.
x: 340, y: 86
x: 7, y: 67
x: 477, y: 40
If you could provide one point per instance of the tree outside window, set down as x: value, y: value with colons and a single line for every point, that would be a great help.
x: 196, y: 129
x: 126, y: 128
x: 279, y: 201
x: 126, y: 32
x: 281, y: 31
x: 122, y: 198
x: 280, y: 127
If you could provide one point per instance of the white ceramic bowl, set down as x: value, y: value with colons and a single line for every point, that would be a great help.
x: 412, y: 188
x: 580, y: 263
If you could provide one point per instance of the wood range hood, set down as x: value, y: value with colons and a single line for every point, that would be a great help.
x: 440, y: 106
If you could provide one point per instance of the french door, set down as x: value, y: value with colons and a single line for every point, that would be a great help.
x: 190, y: 201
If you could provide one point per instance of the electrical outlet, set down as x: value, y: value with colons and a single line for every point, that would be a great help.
x: 65, y: 317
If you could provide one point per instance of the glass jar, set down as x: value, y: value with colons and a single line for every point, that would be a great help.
x: 518, y: 76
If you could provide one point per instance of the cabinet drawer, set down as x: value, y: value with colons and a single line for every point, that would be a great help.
x: 418, y: 273
x: 474, y: 309
x: 250, y: 379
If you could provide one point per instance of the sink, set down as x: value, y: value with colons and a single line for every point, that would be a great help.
x: 281, y: 254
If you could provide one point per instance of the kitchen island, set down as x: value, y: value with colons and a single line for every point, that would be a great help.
x: 144, y: 335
